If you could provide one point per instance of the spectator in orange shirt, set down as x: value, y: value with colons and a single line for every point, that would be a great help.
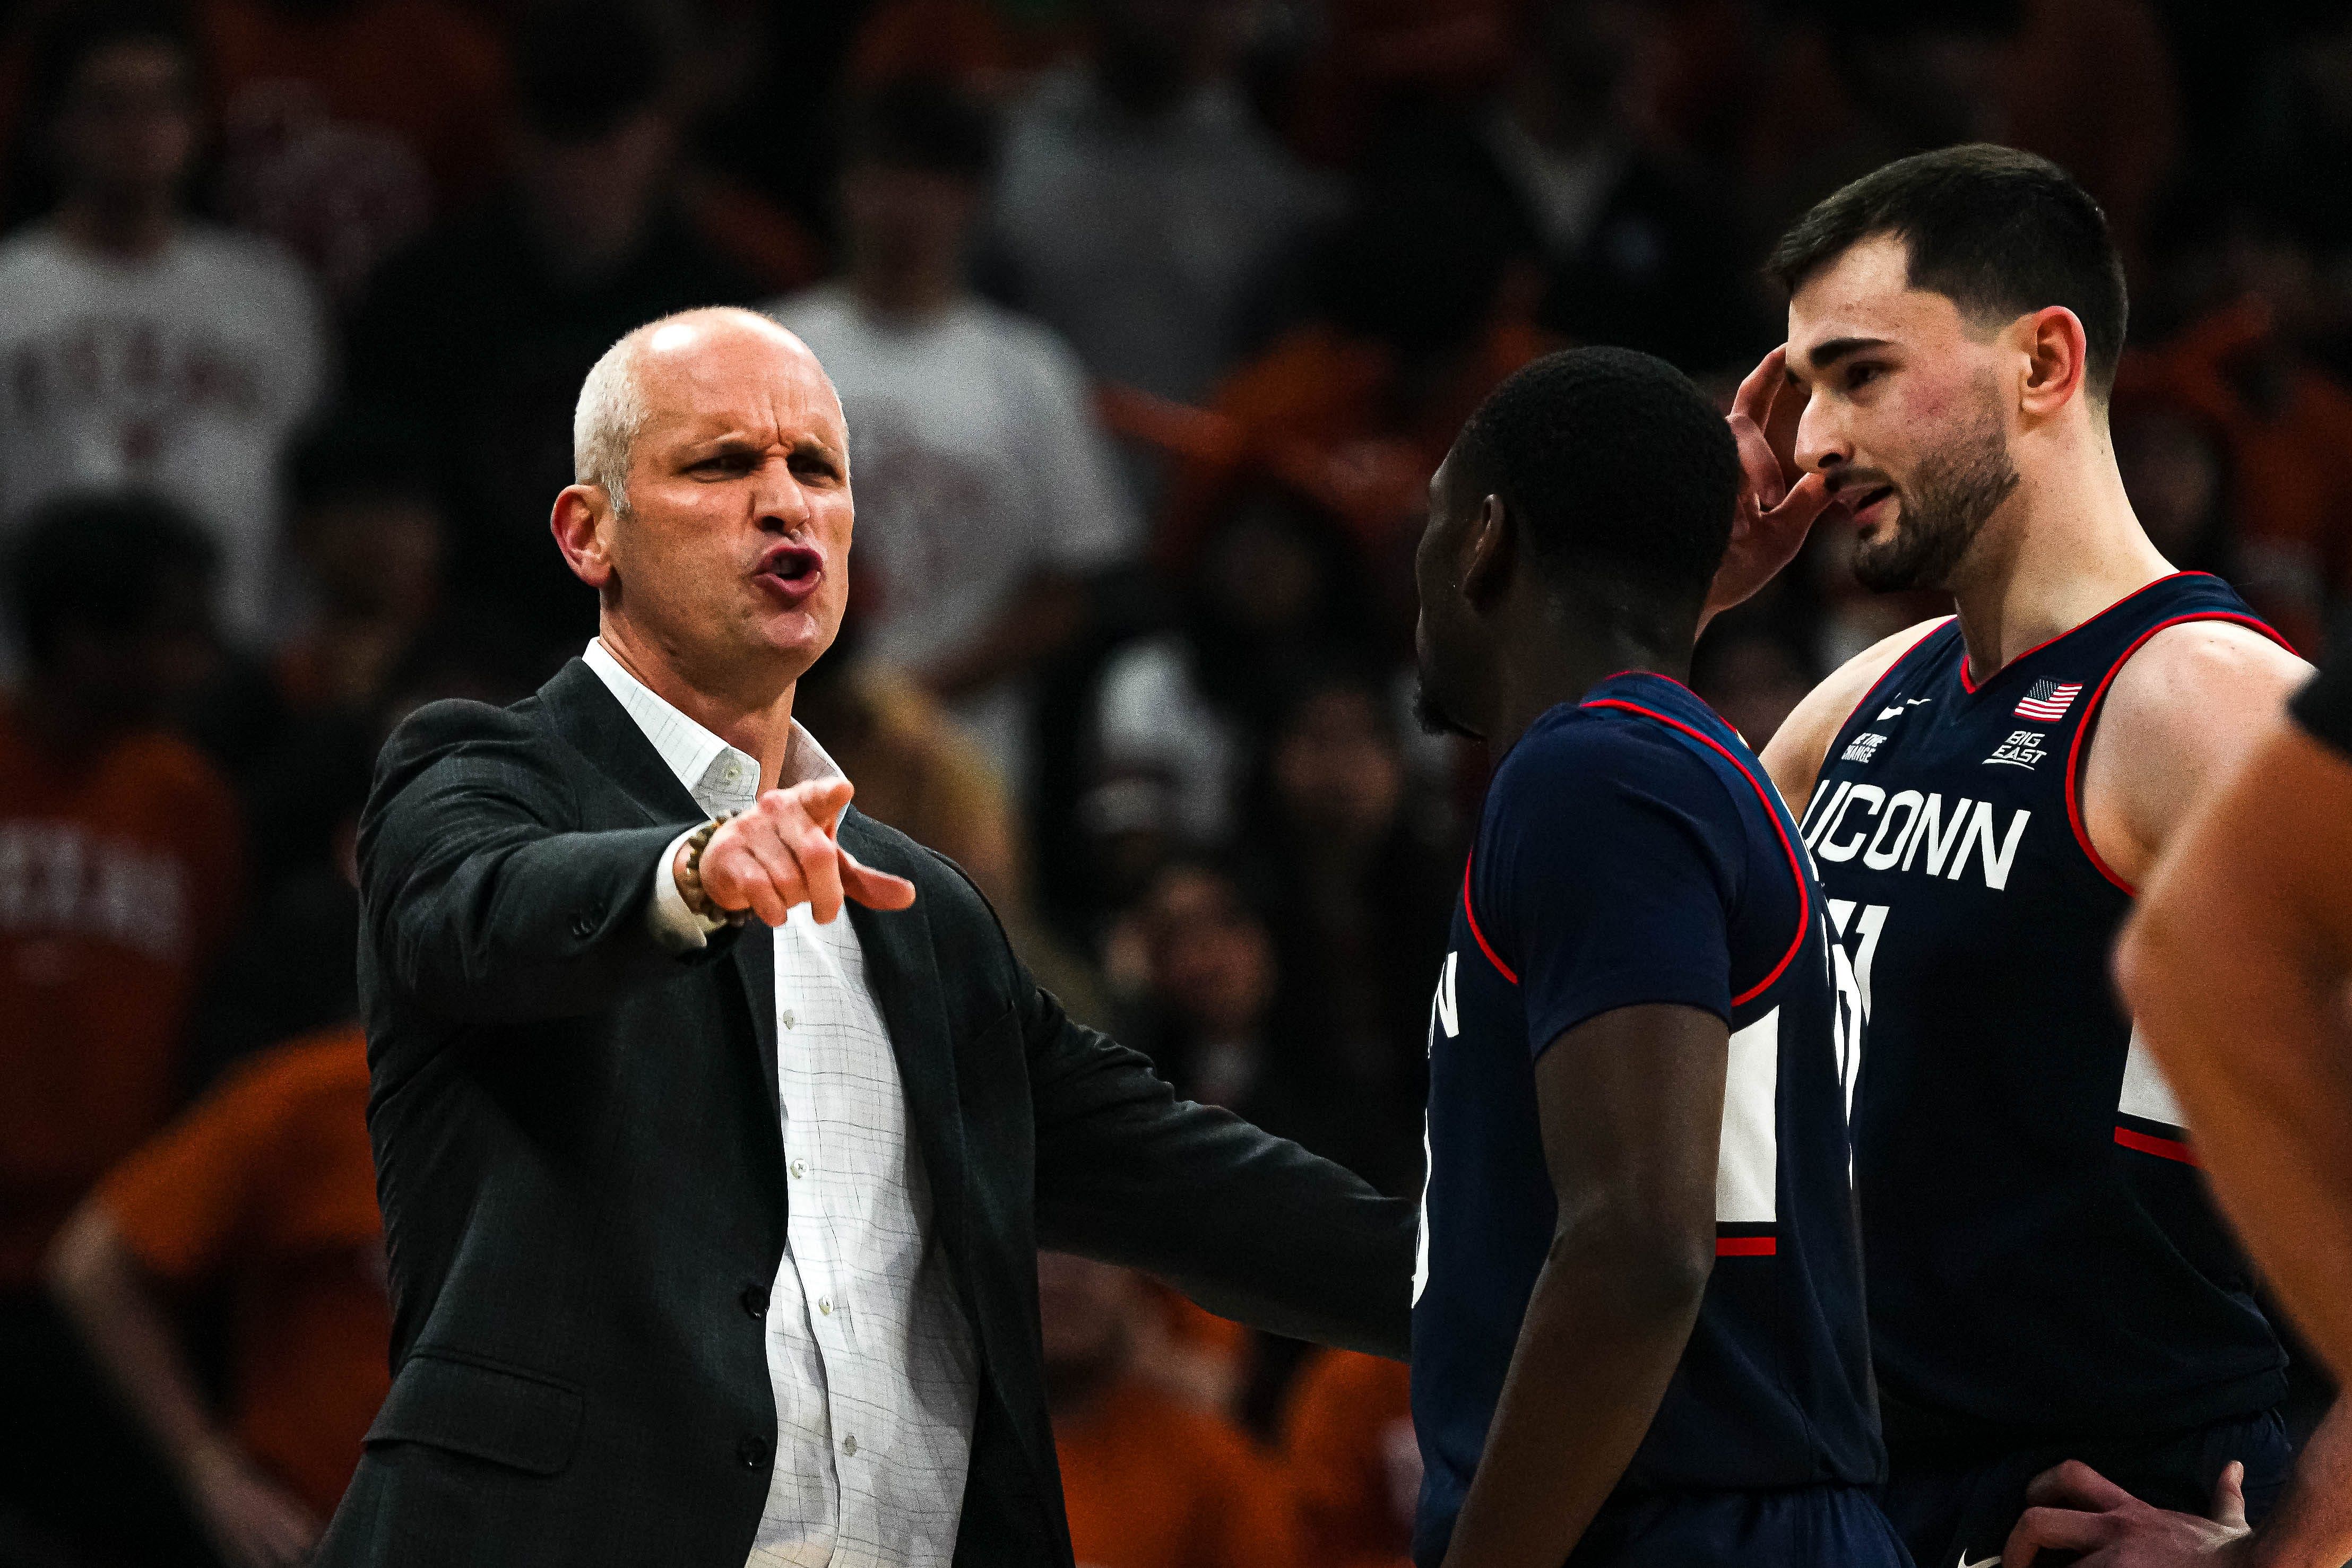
x: 119, y: 878
x: 1149, y: 1481
x: 1347, y: 1433
x: 267, y: 1186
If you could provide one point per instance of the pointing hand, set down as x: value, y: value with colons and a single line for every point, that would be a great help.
x: 783, y: 851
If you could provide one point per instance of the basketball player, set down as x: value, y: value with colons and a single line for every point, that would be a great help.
x: 1638, y: 1329
x: 2048, y: 1283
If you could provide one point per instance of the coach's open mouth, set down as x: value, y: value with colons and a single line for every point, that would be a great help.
x: 792, y: 571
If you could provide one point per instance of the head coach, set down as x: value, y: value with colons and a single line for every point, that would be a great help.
x: 713, y: 1213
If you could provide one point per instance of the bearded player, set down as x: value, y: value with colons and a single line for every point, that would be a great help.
x: 1638, y: 1328
x: 2069, y: 1351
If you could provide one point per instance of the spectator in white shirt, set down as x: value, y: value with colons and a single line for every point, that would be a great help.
x: 1142, y: 211
x: 140, y: 350
x: 986, y: 493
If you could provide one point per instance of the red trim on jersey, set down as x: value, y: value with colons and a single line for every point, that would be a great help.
x: 1654, y: 675
x: 1796, y: 867
x: 2091, y: 709
x: 1879, y: 684
x: 1970, y: 687
x: 2162, y: 1148
x: 1472, y: 916
x: 1746, y: 1246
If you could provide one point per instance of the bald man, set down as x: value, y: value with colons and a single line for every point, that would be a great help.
x: 717, y: 1127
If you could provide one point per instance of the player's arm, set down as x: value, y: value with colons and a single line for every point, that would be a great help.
x: 1632, y: 1109
x: 1797, y: 750
x: 2235, y: 963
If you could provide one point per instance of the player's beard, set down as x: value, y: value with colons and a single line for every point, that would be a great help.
x: 1431, y: 715
x: 1950, y: 497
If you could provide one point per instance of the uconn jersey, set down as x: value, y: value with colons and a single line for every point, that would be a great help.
x: 2043, y: 1260
x: 1632, y: 852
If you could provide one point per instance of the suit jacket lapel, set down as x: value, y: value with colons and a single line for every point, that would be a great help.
x: 592, y: 718
x: 593, y: 721
x: 902, y: 972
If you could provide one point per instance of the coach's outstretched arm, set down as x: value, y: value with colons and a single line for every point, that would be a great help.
x: 477, y: 899
x: 1631, y: 1104
x: 1251, y: 1226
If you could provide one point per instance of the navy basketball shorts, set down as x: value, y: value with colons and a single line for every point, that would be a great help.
x: 1959, y: 1511
x: 1793, y: 1527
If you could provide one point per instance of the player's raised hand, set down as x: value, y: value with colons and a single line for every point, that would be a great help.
x: 1777, y: 504
x: 783, y: 851
x: 2075, y: 1508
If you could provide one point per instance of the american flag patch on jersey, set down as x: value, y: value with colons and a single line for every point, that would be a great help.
x: 2048, y: 700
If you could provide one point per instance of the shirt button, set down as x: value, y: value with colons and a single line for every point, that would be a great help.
x: 825, y: 1305
x: 583, y: 925
x: 787, y: 1016
x: 800, y: 1168
x: 752, y: 1451
x: 849, y: 1446
x: 755, y: 1300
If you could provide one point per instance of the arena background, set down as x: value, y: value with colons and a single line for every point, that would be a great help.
x: 1151, y: 318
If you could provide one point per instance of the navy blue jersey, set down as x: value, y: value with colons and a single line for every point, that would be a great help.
x: 2042, y: 1259
x: 1632, y: 851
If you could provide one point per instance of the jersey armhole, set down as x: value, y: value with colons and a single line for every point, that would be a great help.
x: 2076, y: 753
x: 1470, y: 914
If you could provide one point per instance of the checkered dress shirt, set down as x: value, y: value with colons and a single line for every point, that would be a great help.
x: 868, y: 1354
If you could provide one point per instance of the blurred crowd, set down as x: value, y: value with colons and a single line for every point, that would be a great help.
x: 1151, y: 318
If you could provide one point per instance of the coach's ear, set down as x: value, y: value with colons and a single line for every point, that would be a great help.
x: 583, y: 523
x: 1487, y: 563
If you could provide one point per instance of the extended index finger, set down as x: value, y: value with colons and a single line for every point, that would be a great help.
x: 823, y: 799
x: 1753, y: 401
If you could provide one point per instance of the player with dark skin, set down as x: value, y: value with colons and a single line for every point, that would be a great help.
x: 1631, y: 1103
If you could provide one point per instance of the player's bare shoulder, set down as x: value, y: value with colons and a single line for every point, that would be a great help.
x: 2179, y: 713
x: 1795, y: 753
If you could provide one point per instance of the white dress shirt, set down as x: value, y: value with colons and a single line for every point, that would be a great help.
x: 868, y: 1354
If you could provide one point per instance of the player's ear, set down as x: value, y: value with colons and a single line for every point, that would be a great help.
x: 1487, y: 564
x: 2057, y: 355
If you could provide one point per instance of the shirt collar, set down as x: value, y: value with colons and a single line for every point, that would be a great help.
x: 720, y: 777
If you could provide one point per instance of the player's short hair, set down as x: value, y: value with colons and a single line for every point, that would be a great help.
x: 101, y: 561
x: 1617, y: 468
x: 922, y: 123
x: 1997, y: 231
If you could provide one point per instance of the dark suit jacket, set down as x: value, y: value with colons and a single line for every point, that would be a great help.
x: 580, y: 1158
